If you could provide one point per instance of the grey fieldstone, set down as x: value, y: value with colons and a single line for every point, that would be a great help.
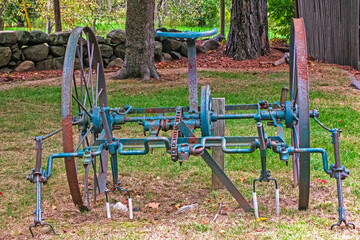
x: 158, y: 51
x: 77, y: 64
x: 200, y: 49
x: 100, y: 39
x: 37, y: 37
x: 23, y: 37
x: 161, y: 29
x: 218, y: 38
x: 170, y: 45
x: 59, y: 38
x: 15, y: 46
x: 210, y: 45
x: 108, y: 41
x: 12, y: 64
x: 120, y: 51
x: 175, y: 55
x: 57, y: 51
x: 5, y: 70
x: 106, y: 50
x: 118, y: 62
x: 25, y: 67
x: 183, y: 49
x: 159, y: 39
x: 173, y: 30
x: 167, y: 57
x: 159, y: 58
x: 106, y: 61
x: 5, y: 56
x: 49, y: 64
x: 36, y: 53
x: 117, y: 36
x: 157, y: 47
x: 8, y: 38
x: 16, y: 54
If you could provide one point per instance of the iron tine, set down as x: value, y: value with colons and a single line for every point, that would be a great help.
x: 256, y: 211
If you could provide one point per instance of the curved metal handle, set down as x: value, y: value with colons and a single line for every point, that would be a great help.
x: 187, y: 34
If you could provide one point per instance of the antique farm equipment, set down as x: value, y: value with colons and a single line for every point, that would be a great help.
x: 85, y: 111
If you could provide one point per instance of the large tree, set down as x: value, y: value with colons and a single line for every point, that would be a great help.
x: 139, y: 54
x: 248, y: 36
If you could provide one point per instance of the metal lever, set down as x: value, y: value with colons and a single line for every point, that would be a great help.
x: 339, y: 172
x: 260, y: 129
x: 37, y: 177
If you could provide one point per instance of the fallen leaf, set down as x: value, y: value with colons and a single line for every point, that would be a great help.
x: 1, y: 193
x: 177, y: 206
x: 242, y: 179
x: 153, y: 205
x: 261, y: 219
x: 53, y: 207
x: 222, y: 231
x: 291, y: 221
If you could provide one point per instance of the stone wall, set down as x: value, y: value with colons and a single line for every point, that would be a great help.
x: 28, y: 51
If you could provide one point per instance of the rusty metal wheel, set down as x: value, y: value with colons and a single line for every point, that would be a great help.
x: 83, y: 88
x: 299, y: 95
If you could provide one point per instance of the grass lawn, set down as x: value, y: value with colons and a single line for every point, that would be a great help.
x: 34, y: 109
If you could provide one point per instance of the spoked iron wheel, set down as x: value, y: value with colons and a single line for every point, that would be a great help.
x: 299, y: 95
x: 82, y: 91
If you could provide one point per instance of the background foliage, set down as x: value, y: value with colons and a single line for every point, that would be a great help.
x: 105, y: 15
x: 280, y: 14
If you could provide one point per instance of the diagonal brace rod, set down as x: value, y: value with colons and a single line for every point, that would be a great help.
x: 218, y: 171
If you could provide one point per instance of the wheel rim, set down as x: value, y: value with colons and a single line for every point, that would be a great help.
x: 205, y: 112
x: 299, y: 94
x: 84, y: 99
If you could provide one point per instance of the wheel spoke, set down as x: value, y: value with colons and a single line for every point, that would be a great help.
x: 83, y: 138
x: 80, y: 105
x: 97, y: 84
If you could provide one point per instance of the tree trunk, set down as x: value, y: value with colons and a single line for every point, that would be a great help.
x: 248, y: 36
x: 222, y: 17
x: 57, y: 15
x: 48, y: 21
x: 139, y: 54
